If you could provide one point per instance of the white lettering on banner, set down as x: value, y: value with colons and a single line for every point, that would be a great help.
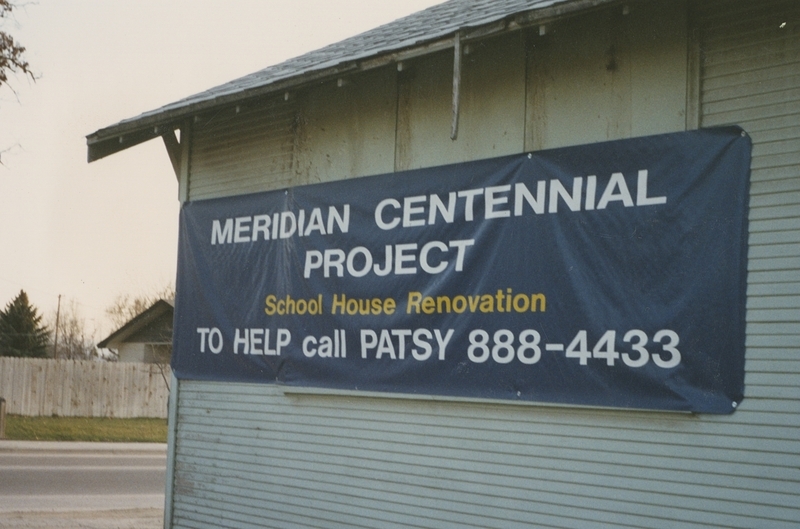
x: 257, y: 341
x: 641, y: 192
x: 392, y: 344
x: 334, y: 346
x: 400, y: 259
x: 280, y: 225
x: 433, y: 257
x: 420, y: 210
x: 499, y: 202
x: 212, y: 336
x: 501, y: 348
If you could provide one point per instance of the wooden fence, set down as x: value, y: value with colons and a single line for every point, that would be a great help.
x: 83, y: 388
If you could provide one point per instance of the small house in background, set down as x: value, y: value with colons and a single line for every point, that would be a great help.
x: 146, y: 338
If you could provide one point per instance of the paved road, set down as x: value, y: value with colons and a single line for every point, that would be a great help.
x: 44, y: 484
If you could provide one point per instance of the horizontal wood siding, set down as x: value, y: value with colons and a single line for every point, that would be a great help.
x: 751, y: 77
x: 80, y: 388
x: 244, y: 149
x: 249, y: 455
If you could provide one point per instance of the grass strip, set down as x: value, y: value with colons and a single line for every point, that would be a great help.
x: 86, y: 429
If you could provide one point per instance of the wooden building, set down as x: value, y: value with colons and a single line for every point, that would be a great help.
x: 463, y: 81
x: 147, y: 337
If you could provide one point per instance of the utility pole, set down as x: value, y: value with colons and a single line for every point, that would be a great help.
x: 55, y: 340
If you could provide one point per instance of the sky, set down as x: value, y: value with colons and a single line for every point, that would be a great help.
x: 92, y: 232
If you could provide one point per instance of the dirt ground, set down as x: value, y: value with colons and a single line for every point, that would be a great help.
x: 113, y: 519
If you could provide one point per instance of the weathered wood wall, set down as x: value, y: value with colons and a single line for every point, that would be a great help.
x: 256, y: 455
x: 81, y: 388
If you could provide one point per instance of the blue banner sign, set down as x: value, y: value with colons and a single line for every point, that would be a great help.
x: 610, y: 274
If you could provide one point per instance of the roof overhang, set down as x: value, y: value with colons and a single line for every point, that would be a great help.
x: 140, y: 321
x: 165, y: 120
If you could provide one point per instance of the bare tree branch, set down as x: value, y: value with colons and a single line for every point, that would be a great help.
x: 75, y: 340
x: 126, y: 306
x: 12, y: 53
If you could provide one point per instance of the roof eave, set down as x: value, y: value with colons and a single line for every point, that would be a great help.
x: 133, y: 131
x: 137, y: 322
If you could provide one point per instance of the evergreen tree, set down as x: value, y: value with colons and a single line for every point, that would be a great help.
x: 21, y: 329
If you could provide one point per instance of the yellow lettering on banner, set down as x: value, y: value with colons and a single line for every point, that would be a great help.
x: 487, y: 303
x: 290, y: 306
x: 500, y: 301
x: 362, y: 306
